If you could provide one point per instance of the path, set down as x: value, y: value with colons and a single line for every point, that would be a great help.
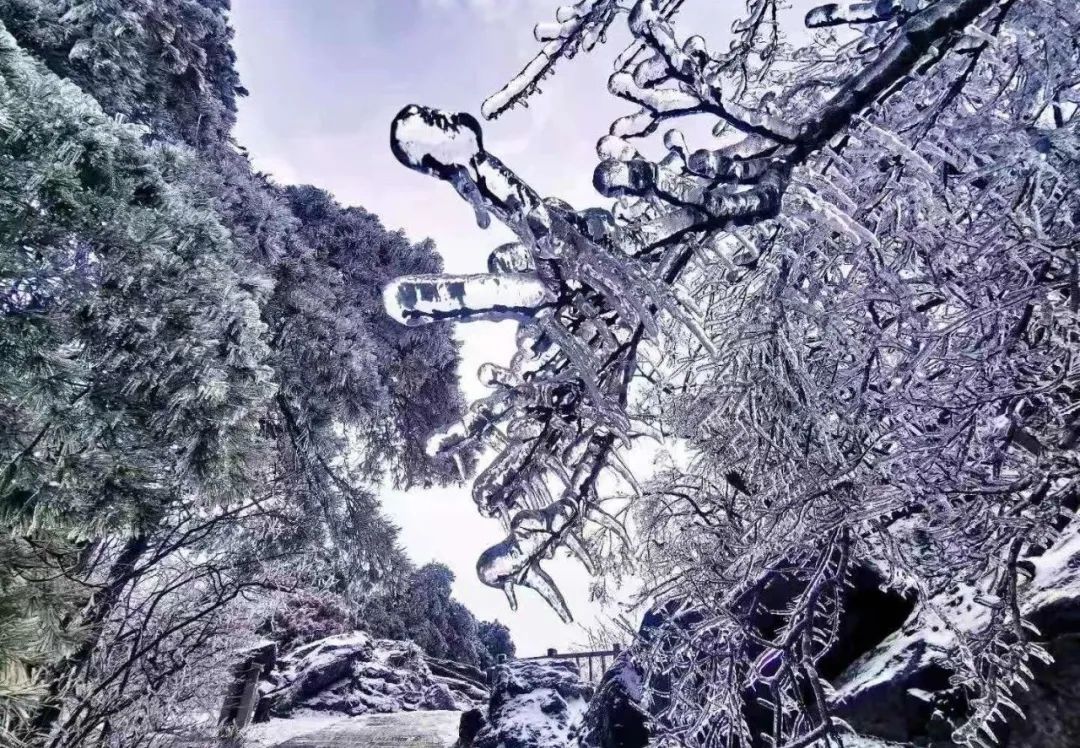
x: 398, y: 730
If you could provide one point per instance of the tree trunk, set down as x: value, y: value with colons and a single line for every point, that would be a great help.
x: 101, y: 605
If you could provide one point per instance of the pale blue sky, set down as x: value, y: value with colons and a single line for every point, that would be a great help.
x: 326, y: 78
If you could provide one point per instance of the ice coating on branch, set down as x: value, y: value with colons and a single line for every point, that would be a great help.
x: 836, y: 14
x: 583, y: 303
x: 515, y: 561
x: 435, y: 142
x: 577, y: 27
x: 837, y: 218
x: 655, y: 99
x: 420, y: 299
x: 510, y: 258
x: 450, y: 146
x: 497, y: 489
x: 481, y: 417
x: 614, y: 147
x: 782, y: 296
x: 613, y: 178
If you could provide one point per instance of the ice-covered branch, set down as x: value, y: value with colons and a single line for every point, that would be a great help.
x: 588, y: 288
x: 577, y: 28
x: 420, y: 299
x: 865, y: 11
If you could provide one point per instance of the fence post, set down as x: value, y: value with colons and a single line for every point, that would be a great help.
x: 552, y: 652
x: 242, y: 696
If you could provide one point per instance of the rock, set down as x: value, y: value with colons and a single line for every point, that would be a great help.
x: 457, y: 670
x: 870, y: 615
x: 323, y: 664
x: 470, y: 725
x: 1053, y: 719
x: 900, y: 690
x: 615, y: 718
x: 438, y: 697
x: 353, y: 674
x: 534, y: 704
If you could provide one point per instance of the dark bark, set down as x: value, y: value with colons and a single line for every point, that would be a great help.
x: 101, y: 605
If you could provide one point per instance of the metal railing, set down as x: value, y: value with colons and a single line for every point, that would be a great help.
x: 591, y: 665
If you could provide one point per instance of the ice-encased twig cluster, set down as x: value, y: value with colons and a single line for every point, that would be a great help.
x: 558, y: 409
x: 588, y: 287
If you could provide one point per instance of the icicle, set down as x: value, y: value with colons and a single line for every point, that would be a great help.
x: 579, y: 356
x: 537, y: 579
x: 496, y: 485
x: 840, y: 221
x: 515, y: 560
x: 682, y: 310
x: 420, y: 299
x: 510, y: 258
x: 511, y: 597
x: 605, y: 520
x: 610, y: 277
x: 616, y: 465
x: 897, y: 146
x: 468, y: 190
x: 837, y: 14
x: 576, y: 546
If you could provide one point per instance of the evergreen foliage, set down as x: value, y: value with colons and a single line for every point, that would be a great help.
x: 199, y: 390
x: 414, y: 604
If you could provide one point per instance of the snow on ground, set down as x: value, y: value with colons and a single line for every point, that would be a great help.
x: 433, y: 729
x: 277, y: 731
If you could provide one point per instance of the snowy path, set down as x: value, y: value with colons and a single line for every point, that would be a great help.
x: 399, y: 730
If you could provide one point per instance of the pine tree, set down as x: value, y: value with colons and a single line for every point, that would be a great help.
x: 195, y: 364
x: 133, y: 368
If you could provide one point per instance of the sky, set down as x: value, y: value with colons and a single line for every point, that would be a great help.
x: 326, y: 77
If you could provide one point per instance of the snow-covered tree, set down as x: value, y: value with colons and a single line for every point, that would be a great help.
x: 850, y: 314
x: 198, y: 386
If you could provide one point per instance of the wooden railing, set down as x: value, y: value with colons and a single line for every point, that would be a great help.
x: 591, y: 665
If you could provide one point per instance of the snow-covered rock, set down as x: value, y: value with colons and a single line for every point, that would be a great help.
x: 890, y: 673
x: 534, y: 704
x: 615, y: 718
x: 901, y: 691
x: 353, y: 674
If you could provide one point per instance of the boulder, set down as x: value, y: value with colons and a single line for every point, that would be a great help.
x: 901, y: 689
x: 353, y: 674
x: 438, y: 697
x: 615, y: 718
x: 534, y: 704
x: 889, y: 669
x: 472, y: 721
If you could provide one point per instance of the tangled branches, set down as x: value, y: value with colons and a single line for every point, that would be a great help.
x: 885, y: 376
